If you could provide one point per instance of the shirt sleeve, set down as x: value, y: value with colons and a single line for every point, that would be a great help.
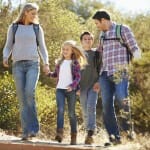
x: 42, y: 46
x: 129, y: 39
x: 9, y: 43
x: 76, y: 76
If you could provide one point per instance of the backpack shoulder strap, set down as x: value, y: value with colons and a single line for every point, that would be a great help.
x: 118, y: 33
x: 102, y: 36
x: 36, y: 30
x: 14, y: 29
x: 119, y: 36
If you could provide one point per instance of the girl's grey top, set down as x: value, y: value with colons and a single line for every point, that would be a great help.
x: 25, y: 46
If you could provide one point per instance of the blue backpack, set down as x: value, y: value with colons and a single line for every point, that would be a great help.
x: 35, y: 28
x: 120, y: 39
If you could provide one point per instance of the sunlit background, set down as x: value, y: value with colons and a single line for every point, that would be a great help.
x: 125, y: 6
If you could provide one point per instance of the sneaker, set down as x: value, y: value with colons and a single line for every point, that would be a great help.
x: 32, y: 134
x: 89, y: 140
x: 131, y: 135
x: 24, y: 137
x: 113, y: 141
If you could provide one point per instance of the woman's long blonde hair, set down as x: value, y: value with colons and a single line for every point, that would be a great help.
x: 26, y: 8
x: 77, y: 54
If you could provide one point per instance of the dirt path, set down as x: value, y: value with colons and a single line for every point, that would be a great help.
x: 140, y: 143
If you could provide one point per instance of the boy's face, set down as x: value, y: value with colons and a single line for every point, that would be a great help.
x: 87, y: 42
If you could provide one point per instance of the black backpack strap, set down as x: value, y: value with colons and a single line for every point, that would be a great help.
x: 14, y: 29
x: 36, y: 30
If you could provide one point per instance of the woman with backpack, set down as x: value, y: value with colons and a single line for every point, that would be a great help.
x: 23, y: 41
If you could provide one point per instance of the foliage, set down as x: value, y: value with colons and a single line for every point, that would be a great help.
x: 46, y: 105
x: 140, y: 93
x: 8, y: 103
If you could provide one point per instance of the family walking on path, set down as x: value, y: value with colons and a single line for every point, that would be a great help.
x: 82, y: 71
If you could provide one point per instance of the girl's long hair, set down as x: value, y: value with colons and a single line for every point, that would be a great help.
x: 26, y: 8
x: 77, y: 54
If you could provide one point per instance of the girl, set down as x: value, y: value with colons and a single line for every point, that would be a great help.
x: 67, y: 72
x: 22, y: 44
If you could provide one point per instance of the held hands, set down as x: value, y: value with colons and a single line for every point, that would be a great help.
x: 96, y: 87
x: 5, y: 63
x: 46, y: 69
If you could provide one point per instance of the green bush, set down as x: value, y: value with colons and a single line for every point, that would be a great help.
x: 9, y: 112
x: 140, y: 93
x: 46, y: 104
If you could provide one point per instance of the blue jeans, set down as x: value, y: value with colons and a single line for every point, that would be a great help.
x: 88, y: 100
x: 110, y: 91
x: 61, y: 95
x: 26, y: 75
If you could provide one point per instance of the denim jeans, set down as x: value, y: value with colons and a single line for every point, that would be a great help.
x: 61, y: 96
x: 88, y: 100
x: 110, y: 91
x: 26, y: 75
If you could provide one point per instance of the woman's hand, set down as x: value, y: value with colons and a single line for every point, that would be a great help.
x: 5, y: 63
x: 46, y: 69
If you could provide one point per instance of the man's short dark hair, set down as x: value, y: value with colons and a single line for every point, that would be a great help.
x: 101, y: 14
x: 86, y: 33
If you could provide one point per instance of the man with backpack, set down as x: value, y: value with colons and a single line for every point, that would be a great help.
x: 117, y: 46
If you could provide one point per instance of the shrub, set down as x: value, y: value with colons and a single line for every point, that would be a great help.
x: 9, y: 112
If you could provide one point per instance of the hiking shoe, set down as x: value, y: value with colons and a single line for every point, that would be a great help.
x: 73, y: 139
x: 58, y: 138
x: 89, y: 140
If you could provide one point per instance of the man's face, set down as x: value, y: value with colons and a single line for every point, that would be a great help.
x: 100, y: 24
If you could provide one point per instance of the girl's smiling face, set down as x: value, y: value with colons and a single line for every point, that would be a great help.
x: 67, y: 51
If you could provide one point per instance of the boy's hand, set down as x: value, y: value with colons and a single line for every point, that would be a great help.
x: 96, y: 87
x: 78, y: 93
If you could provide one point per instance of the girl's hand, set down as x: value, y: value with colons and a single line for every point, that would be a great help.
x: 69, y: 89
x: 5, y: 63
x: 96, y: 87
x: 46, y: 69
x: 78, y: 93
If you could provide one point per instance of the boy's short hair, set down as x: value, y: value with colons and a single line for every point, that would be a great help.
x: 101, y: 14
x: 86, y: 33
